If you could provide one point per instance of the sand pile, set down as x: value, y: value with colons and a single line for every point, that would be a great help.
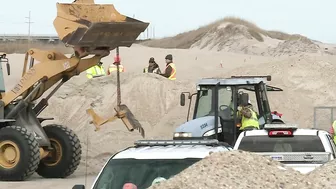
x: 239, y: 36
x: 294, y: 47
x: 234, y: 170
x: 231, y: 37
x: 321, y: 177
x: 150, y: 97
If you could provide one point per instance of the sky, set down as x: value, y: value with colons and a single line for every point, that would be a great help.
x: 311, y: 18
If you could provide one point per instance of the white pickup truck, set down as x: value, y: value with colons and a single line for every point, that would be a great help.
x: 150, y: 161
x: 300, y: 149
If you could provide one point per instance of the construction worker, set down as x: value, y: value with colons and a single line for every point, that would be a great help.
x: 249, y: 118
x: 158, y: 180
x: 332, y: 131
x: 153, y: 67
x: 130, y: 186
x: 113, y: 67
x: 95, y: 71
x: 170, y: 71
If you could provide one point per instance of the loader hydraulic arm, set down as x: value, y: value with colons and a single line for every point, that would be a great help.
x: 48, y: 72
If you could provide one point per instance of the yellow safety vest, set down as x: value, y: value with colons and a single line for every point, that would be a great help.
x: 250, y: 122
x: 173, y: 74
x: 113, y: 68
x: 95, y: 71
x: 334, y: 127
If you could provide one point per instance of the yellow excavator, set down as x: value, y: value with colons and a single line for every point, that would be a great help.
x: 54, y: 151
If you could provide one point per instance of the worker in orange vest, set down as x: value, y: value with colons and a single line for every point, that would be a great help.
x: 170, y: 71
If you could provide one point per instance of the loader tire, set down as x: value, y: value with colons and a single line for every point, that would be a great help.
x: 65, y: 156
x: 19, y: 153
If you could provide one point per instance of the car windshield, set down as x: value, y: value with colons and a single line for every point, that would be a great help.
x: 297, y: 143
x: 141, y: 172
x: 205, y: 106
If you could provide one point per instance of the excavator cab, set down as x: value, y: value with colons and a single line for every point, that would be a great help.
x: 217, y: 100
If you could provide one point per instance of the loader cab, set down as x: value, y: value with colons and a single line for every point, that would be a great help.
x: 3, y: 59
x: 220, y: 98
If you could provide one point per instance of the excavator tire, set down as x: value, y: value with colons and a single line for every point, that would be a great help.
x: 66, y: 153
x: 19, y: 153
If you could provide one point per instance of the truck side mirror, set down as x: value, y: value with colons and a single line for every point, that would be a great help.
x: 8, y: 68
x: 244, y: 99
x: 182, y: 99
x: 78, y: 186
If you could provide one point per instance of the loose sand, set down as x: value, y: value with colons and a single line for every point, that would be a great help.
x: 235, y: 169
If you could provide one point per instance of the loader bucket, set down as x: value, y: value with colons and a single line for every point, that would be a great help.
x: 123, y: 113
x: 95, y: 26
x: 129, y: 119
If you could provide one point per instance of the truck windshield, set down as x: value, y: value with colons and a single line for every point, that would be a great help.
x: 297, y: 143
x: 140, y: 172
x: 205, y: 106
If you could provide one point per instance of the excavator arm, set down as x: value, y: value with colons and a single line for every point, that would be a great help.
x: 50, y: 70
x: 90, y: 29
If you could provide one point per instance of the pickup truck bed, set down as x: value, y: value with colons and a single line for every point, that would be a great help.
x: 300, y: 149
x: 303, y: 162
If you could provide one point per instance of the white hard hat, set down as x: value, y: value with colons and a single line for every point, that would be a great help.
x: 158, y: 180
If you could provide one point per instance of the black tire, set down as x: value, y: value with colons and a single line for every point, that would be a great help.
x: 28, y: 148
x: 70, y: 148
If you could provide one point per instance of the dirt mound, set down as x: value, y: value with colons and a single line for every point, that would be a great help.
x: 235, y: 169
x: 150, y: 97
x: 294, y: 47
x: 238, y: 36
x: 321, y: 177
x: 231, y: 37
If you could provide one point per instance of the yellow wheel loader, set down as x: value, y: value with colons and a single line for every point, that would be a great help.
x: 54, y: 151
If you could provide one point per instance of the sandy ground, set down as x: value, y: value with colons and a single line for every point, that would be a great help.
x: 307, y: 81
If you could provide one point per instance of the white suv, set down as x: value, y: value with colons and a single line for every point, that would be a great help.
x: 301, y: 149
x: 151, y: 160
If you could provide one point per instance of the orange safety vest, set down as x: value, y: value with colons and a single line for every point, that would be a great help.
x: 173, y: 74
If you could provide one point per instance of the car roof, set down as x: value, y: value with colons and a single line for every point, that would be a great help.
x: 296, y: 132
x: 169, y: 152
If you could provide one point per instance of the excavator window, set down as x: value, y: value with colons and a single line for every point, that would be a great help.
x: 205, y: 105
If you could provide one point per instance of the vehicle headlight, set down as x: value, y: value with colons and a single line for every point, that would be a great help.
x: 182, y: 134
